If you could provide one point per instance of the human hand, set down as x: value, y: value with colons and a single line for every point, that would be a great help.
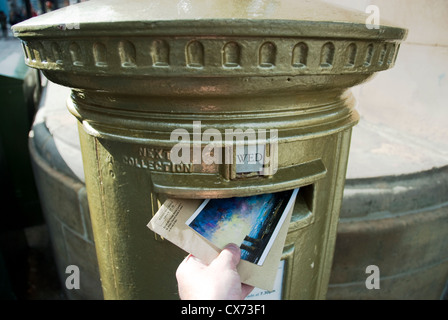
x: 217, y: 281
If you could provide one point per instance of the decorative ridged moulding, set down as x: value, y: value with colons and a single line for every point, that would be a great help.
x: 239, y: 56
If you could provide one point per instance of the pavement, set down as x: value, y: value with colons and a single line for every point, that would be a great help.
x: 42, y: 281
x: 405, y: 131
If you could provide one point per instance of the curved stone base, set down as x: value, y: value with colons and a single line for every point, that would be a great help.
x: 400, y: 225
x: 63, y: 197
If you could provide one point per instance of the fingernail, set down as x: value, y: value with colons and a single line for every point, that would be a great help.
x: 232, y: 247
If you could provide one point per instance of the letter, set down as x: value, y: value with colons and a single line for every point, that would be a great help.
x: 252, y: 158
x: 227, y: 311
x: 188, y: 168
x: 213, y: 147
x: 197, y: 142
x: 183, y: 146
x: 73, y: 25
x: 228, y: 144
x: 373, y: 281
x: 252, y: 150
x: 257, y: 308
x: 184, y: 310
x: 239, y: 135
x: 168, y: 166
x: 75, y: 17
x: 160, y: 154
x: 241, y: 158
x: 212, y: 311
x: 72, y: 281
x: 193, y: 310
x: 237, y: 311
x: 373, y: 21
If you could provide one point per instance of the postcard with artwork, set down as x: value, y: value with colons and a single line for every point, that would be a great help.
x: 250, y: 222
x: 170, y: 223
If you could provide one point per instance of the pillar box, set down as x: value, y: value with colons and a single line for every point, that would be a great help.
x: 141, y: 70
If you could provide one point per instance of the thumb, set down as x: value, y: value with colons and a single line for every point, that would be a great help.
x: 229, y: 256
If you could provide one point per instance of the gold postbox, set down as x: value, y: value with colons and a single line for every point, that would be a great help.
x: 141, y: 69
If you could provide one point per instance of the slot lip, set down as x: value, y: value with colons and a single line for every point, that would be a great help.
x: 302, y: 216
x: 203, y: 186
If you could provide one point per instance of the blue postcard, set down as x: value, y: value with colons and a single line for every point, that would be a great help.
x: 250, y: 222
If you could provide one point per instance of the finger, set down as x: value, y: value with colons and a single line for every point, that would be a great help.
x: 188, y: 265
x: 180, y: 271
x: 192, y: 259
x: 229, y: 256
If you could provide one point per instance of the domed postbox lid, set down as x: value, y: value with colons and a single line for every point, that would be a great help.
x: 203, y: 38
x: 204, y: 17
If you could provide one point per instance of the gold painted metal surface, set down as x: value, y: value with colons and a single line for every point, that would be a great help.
x: 141, y: 69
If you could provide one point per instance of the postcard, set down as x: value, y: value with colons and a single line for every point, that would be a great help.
x: 170, y: 223
x: 251, y: 222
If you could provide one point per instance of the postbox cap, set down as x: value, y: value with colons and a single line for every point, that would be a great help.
x: 83, y: 45
x: 309, y: 18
